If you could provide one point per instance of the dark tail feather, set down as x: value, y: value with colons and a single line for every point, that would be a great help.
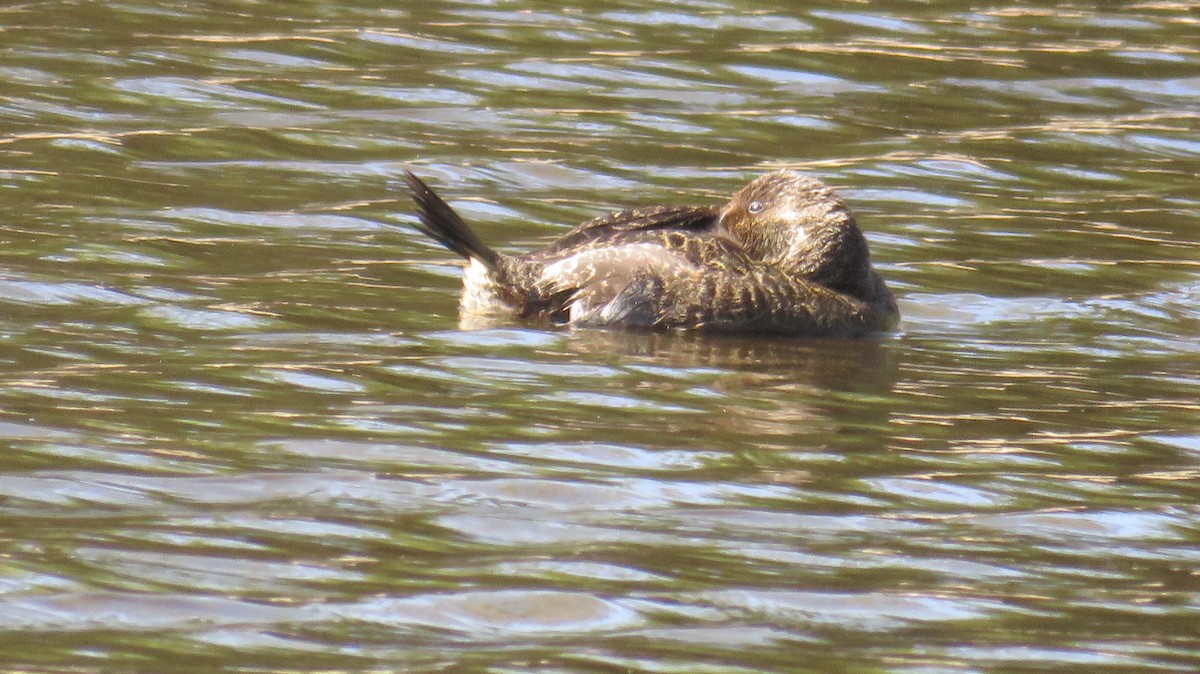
x: 442, y: 224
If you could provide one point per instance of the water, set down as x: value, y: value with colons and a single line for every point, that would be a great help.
x: 241, y: 429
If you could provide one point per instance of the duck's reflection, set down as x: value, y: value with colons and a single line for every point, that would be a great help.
x: 775, y: 387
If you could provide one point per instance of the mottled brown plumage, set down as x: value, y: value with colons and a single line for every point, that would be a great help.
x: 783, y: 256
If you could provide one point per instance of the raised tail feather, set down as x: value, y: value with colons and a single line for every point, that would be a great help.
x: 445, y: 226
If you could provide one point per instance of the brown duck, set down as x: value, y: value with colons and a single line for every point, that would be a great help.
x: 783, y: 256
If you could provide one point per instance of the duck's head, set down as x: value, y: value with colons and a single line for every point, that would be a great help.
x: 799, y: 224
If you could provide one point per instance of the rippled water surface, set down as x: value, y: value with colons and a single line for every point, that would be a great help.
x: 242, y: 429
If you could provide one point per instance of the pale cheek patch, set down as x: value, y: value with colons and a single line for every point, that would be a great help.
x: 794, y: 215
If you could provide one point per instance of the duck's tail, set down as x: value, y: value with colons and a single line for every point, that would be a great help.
x: 445, y: 226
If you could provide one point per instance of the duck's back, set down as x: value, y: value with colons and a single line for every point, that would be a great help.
x: 662, y: 267
x: 589, y: 265
x: 611, y: 228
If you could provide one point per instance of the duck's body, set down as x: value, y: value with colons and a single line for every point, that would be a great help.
x: 784, y: 256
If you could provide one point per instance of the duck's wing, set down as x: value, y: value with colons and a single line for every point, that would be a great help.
x: 600, y: 284
x: 763, y: 302
x: 689, y: 219
x: 665, y: 280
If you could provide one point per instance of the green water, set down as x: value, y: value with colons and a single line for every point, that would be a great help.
x: 242, y: 431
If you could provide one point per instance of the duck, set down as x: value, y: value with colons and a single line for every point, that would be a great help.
x: 783, y: 256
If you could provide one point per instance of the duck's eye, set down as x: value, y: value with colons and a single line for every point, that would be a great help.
x: 755, y: 207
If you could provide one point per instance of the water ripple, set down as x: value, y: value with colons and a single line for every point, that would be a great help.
x: 242, y: 427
